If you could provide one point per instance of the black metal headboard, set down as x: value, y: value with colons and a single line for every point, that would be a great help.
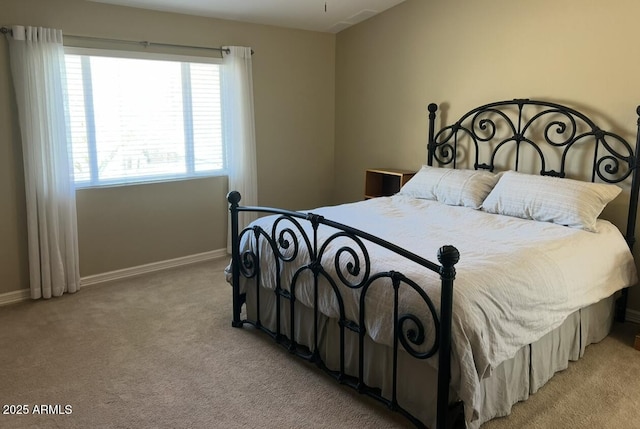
x: 499, y: 136
x: 502, y: 136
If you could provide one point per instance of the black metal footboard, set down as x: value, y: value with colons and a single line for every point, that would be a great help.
x: 294, y: 239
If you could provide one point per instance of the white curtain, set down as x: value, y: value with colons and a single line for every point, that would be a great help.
x: 238, y: 128
x: 38, y: 71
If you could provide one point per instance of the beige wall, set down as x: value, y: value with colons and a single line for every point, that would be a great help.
x: 127, y: 226
x: 464, y: 53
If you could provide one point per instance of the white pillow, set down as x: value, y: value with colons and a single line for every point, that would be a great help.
x: 550, y: 199
x: 453, y: 187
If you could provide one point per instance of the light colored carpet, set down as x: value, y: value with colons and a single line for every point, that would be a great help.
x: 159, y: 351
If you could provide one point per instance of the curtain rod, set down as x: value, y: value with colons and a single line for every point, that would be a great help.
x: 5, y: 30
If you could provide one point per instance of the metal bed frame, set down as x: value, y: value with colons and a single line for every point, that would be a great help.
x: 496, y: 129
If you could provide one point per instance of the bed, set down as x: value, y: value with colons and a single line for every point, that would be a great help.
x: 527, y: 273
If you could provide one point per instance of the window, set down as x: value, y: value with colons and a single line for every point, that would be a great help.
x: 140, y: 119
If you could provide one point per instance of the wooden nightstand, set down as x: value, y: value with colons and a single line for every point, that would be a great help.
x: 383, y: 182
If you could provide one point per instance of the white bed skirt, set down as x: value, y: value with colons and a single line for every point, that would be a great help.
x: 512, y: 381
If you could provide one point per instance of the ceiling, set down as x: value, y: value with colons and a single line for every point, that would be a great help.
x: 301, y: 14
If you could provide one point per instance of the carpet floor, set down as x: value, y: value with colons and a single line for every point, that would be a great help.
x: 158, y: 351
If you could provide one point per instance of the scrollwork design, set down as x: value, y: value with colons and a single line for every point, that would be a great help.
x: 614, y: 167
x: 537, y: 124
x: 249, y: 265
x: 485, y: 124
x: 415, y: 334
x: 285, y: 242
x: 611, y: 167
x: 563, y: 127
x: 444, y: 153
x: 443, y: 149
x: 353, y: 268
x: 484, y: 129
x: 410, y: 328
x: 249, y: 261
x: 359, y: 264
x: 560, y: 130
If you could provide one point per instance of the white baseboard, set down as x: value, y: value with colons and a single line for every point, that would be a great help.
x: 152, y: 267
x: 24, y: 294
x: 15, y: 296
x: 632, y: 316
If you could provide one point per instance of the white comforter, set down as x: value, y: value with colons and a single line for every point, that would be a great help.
x: 516, y: 279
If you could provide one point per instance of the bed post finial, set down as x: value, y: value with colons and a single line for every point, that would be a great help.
x: 234, y: 197
x: 431, y: 146
x: 448, y: 257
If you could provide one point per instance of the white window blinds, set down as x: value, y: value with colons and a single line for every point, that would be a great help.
x: 142, y: 119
